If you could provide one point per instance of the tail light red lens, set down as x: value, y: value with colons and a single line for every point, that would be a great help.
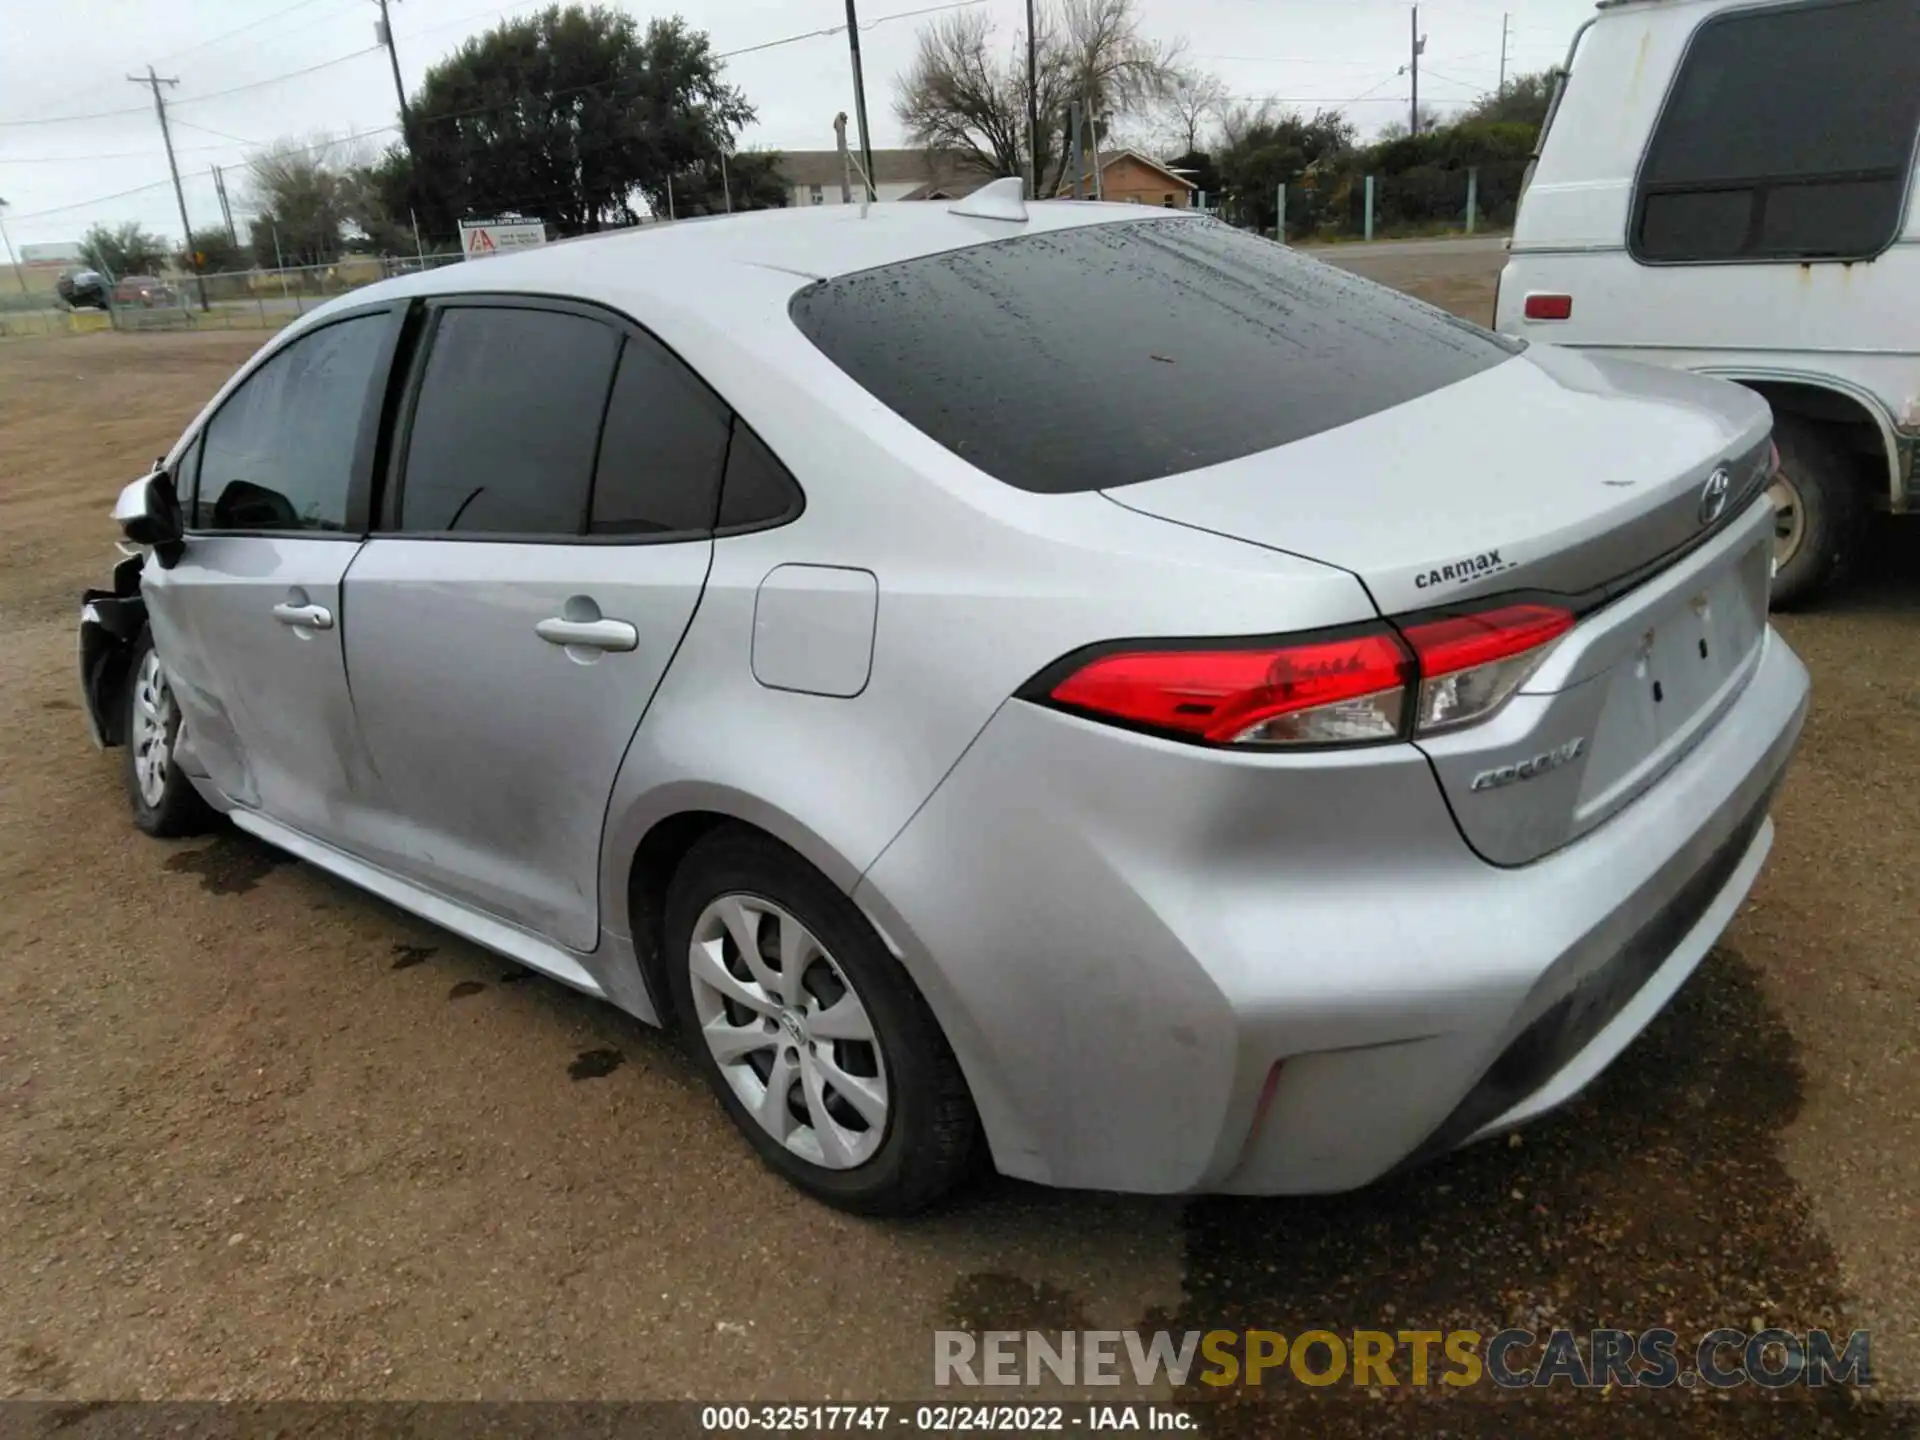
x: 1357, y: 688
x: 1329, y: 691
x: 1471, y: 664
x: 1548, y: 307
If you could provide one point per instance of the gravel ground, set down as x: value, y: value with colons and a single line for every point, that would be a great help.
x: 262, y: 1136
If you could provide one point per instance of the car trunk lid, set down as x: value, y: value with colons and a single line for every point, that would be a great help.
x: 1552, y: 471
x: 1628, y: 494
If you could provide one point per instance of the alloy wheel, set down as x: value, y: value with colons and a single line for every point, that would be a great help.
x: 788, y: 1031
x: 152, y: 737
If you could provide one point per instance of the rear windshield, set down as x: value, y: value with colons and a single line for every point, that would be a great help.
x: 1104, y: 355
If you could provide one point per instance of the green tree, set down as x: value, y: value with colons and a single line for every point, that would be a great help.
x: 1198, y: 166
x: 212, y: 252
x: 751, y: 182
x: 1267, y: 150
x: 123, y: 250
x: 1524, y: 101
x: 569, y: 115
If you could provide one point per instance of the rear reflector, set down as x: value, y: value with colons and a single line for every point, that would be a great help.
x: 1549, y: 307
x: 1317, y: 692
x: 1471, y: 664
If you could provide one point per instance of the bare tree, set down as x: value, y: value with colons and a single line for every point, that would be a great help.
x: 961, y: 96
x: 1241, y: 120
x: 1193, y: 99
x: 298, y: 202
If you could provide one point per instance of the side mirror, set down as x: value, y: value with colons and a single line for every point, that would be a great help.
x: 148, y: 512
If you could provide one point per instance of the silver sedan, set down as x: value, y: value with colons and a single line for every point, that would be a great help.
x: 1071, y: 684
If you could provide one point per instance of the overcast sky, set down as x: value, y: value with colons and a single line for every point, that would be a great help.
x: 70, y: 59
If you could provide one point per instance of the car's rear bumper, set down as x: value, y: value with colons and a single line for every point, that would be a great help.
x: 1165, y: 969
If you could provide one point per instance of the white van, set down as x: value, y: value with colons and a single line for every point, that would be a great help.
x: 1727, y: 187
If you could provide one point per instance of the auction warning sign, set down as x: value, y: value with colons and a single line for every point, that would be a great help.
x: 481, y: 238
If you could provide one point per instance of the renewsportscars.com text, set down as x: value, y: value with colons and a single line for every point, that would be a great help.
x: 1511, y: 1359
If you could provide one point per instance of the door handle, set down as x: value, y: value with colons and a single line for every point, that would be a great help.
x: 593, y: 634
x: 313, y: 617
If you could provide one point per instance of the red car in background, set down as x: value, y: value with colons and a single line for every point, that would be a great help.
x: 146, y: 290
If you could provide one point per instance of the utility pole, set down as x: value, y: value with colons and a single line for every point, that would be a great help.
x: 1033, y: 109
x: 1502, y: 89
x: 226, y: 210
x: 1073, y: 149
x: 18, y: 273
x: 384, y: 32
x: 860, y: 102
x: 726, y: 186
x: 153, y: 82
x: 840, y: 143
x: 1419, y: 44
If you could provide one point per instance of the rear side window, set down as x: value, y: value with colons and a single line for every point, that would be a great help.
x: 505, y: 427
x: 663, y: 449
x: 1788, y: 135
x: 759, y: 490
x: 1108, y: 354
x: 278, y: 454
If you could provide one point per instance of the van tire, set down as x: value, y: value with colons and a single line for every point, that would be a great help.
x: 1819, y: 481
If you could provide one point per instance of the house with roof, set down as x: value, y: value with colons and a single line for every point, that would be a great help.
x: 1129, y: 177
x: 814, y: 177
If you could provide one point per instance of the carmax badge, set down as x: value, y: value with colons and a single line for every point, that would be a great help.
x: 1527, y: 769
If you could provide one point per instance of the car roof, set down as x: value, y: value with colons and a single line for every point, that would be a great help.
x: 723, y: 256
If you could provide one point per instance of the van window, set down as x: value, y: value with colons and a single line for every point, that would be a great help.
x: 1788, y: 135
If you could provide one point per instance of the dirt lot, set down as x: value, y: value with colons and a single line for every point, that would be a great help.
x: 261, y: 1136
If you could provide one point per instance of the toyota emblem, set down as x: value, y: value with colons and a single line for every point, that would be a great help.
x: 1713, y: 495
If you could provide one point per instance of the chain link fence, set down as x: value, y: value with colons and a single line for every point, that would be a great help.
x: 261, y: 299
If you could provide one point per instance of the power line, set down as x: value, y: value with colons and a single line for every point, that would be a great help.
x: 1294, y: 60
x: 1435, y: 74
x: 276, y: 79
x: 108, y: 155
x: 209, y: 130
x: 238, y: 30
x: 162, y: 184
x: 841, y: 29
x: 67, y: 119
x: 463, y: 19
x: 1344, y: 99
x: 97, y: 200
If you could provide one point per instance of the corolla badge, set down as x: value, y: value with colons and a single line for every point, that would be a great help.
x: 1526, y: 769
x: 1713, y: 495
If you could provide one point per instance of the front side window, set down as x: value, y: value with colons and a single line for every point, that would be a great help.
x: 278, y: 454
x: 505, y: 426
x: 1788, y: 135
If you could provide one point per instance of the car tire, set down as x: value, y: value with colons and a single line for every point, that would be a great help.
x: 921, y: 1138
x: 162, y: 798
x: 1819, y: 511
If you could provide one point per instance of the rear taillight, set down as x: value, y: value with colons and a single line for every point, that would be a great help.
x: 1340, y: 691
x: 1356, y: 688
x: 1470, y: 664
x: 1539, y: 306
